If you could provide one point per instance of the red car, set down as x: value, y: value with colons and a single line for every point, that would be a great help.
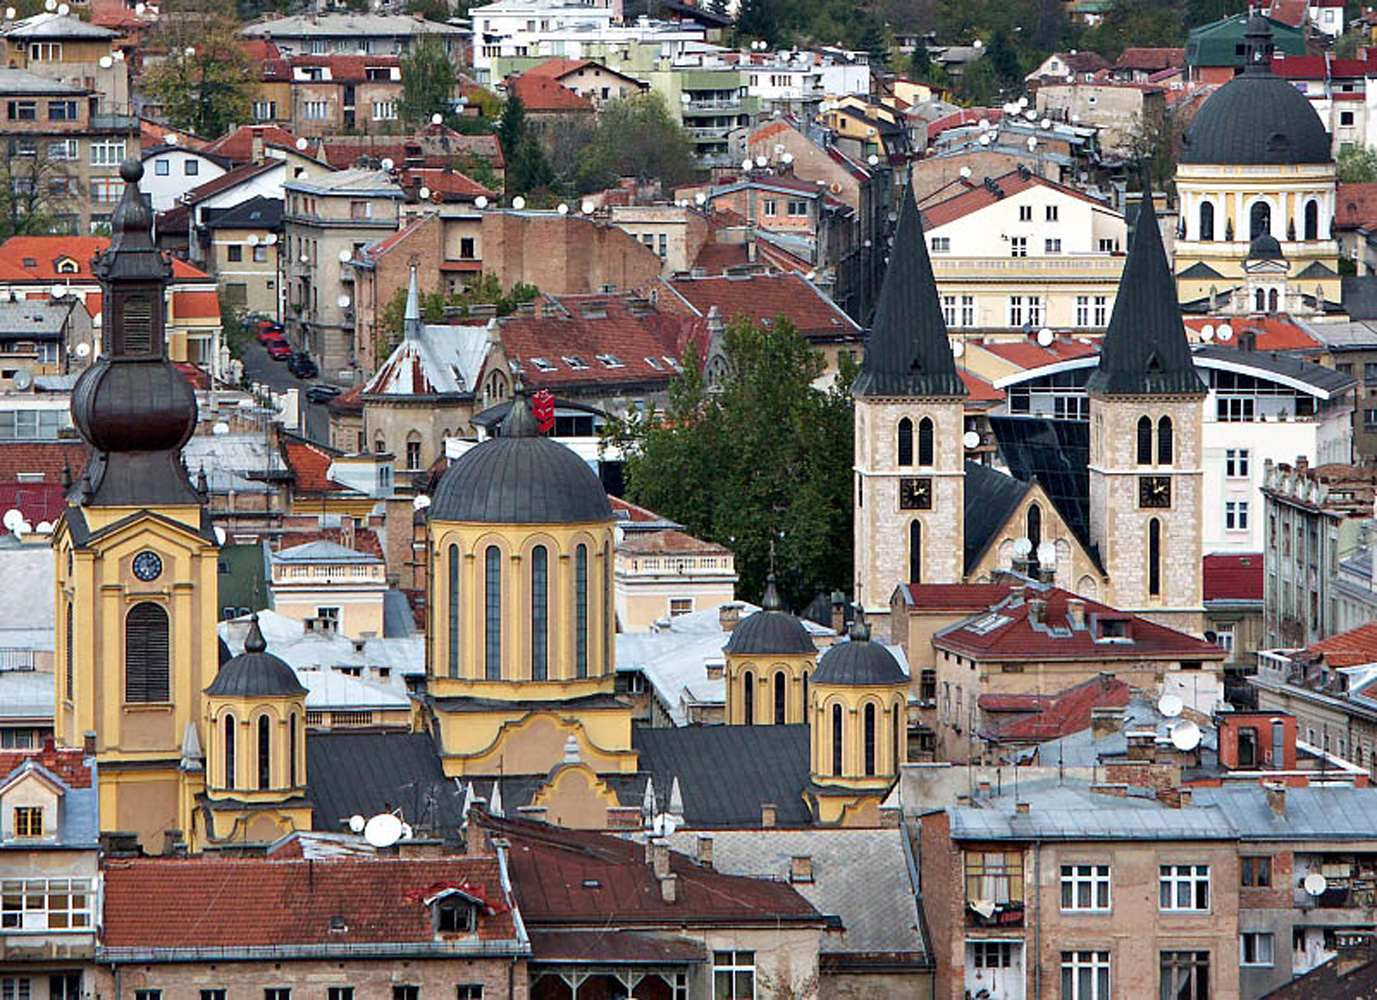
x: 270, y: 336
x: 279, y: 351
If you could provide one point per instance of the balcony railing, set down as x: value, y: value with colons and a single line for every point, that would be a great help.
x: 114, y: 123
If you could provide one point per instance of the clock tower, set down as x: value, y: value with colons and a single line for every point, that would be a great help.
x: 910, y: 418
x: 1145, y: 445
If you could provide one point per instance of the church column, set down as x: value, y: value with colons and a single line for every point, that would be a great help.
x: 112, y: 659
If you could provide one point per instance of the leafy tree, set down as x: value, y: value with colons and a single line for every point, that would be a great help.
x: 203, y: 83
x: 431, y: 10
x: 28, y: 206
x: 1143, y: 22
x: 478, y: 168
x: 979, y: 83
x: 761, y: 461
x: 760, y: 19
x: 528, y: 170
x: 636, y: 137
x: 1003, y: 59
x: 428, y: 83
x: 1357, y: 165
x: 1198, y: 12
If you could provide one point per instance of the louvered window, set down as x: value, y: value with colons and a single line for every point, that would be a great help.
x: 138, y: 325
x: 146, y: 672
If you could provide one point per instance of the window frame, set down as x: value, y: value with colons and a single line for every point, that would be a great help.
x: 1172, y: 878
x: 1097, y: 963
x: 1092, y: 877
x: 734, y: 965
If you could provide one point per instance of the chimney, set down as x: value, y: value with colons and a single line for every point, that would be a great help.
x: 1037, y: 611
x: 659, y: 856
x: 767, y: 814
x: 475, y: 841
x: 1276, y: 798
x: 962, y: 799
x: 1247, y: 340
x: 1022, y: 808
x: 1105, y: 722
x: 88, y: 743
x: 728, y: 615
x: 705, y: 850
x: 1184, y: 795
x: 715, y: 323
x: 716, y: 669
x: 838, y: 612
x: 800, y: 869
x: 1075, y: 613
x: 984, y: 786
x: 1142, y: 744
x: 669, y: 888
x: 256, y: 154
x: 346, y: 532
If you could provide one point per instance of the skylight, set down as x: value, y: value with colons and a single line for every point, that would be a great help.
x: 987, y: 624
x: 543, y: 364
x: 673, y: 363
x: 575, y: 362
x: 655, y: 364
x: 611, y: 360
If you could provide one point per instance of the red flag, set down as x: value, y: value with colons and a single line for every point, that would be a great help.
x: 543, y: 406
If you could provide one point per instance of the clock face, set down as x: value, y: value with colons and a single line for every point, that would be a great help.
x: 1154, y: 491
x: 147, y: 566
x: 915, y: 493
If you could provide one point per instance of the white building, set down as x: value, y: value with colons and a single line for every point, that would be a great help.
x: 171, y: 171
x: 1327, y: 16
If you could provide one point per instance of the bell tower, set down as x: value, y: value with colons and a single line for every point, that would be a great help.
x: 136, y: 556
x: 910, y: 419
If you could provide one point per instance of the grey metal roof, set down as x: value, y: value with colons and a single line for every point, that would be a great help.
x: 990, y: 498
x: 367, y: 773
x: 26, y: 694
x: 520, y: 480
x: 51, y: 25
x: 1328, y: 380
x: 255, y: 673
x: 398, y: 621
x: 22, y: 83
x: 348, y: 25
x: 1359, y: 296
x: 322, y: 551
x: 258, y: 212
x: 34, y: 319
x: 1127, y: 819
x: 1315, y: 813
x: 858, y: 662
x: 354, y: 181
x: 1200, y: 270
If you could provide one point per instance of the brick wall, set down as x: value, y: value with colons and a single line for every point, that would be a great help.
x: 562, y: 255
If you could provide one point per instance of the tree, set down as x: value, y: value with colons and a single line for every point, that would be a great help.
x: 428, y: 83
x: 203, y: 82
x: 978, y: 83
x: 762, y: 461
x: 1003, y: 58
x: 485, y: 289
x: 1357, y: 165
x: 431, y: 10
x: 636, y: 137
x: 528, y: 171
x: 33, y: 190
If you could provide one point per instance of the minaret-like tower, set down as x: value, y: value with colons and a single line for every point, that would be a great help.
x: 910, y: 419
x: 770, y: 658
x: 136, y: 556
x: 1145, y: 444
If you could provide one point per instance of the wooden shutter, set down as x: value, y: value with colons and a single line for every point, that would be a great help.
x: 146, y: 654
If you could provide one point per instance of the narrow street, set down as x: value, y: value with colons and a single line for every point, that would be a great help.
x: 259, y: 367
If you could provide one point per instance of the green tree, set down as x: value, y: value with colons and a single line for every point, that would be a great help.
x: 203, y: 82
x: 527, y: 171
x: 978, y: 83
x: 431, y: 10
x: 1143, y: 22
x: 1357, y: 165
x: 760, y: 19
x: 1003, y: 59
x: 28, y: 205
x: 762, y: 461
x: 428, y: 83
x: 636, y: 137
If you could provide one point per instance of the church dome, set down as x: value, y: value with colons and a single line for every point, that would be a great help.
x: 858, y: 662
x: 771, y: 630
x: 1257, y: 117
x: 1265, y: 247
x: 134, y: 406
x: 255, y: 673
x: 520, y: 477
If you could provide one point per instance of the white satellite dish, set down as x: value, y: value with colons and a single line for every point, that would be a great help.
x: 1046, y: 123
x: 971, y: 439
x: 1315, y: 884
x: 220, y: 429
x: 301, y: 143
x: 45, y: 527
x: 746, y: 163
x: 251, y: 239
x: 12, y: 517
x: 563, y: 209
x: 220, y: 535
x: 407, y: 832
x: 687, y: 98
x: 1224, y: 332
x: 762, y: 160
x: 421, y: 502
x: 518, y: 203
x: 424, y: 193
x: 119, y: 53
x: 50, y: 5
x: 1075, y: 118
x: 139, y: 8
x: 305, y: 258
x: 873, y: 160
x: 481, y: 201
x: 1207, y: 333
x: 1170, y: 705
x: 1047, y: 551
x: 9, y: 13
x: 383, y: 830
x: 63, y: 9
x: 270, y: 239
x: 171, y: 138
x: 23, y: 379
x: 387, y: 163
x: 343, y: 301
x: 23, y: 528
x: 83, y: 350
x: 787, y: 158
x: 1185, y: 735
x: 1023, y: 102
x: 1032, y: 143
x: 958, y: 348
x: 985, y: 140
x: 105, y: 61
x: 1022, y: 546
x: 189, y: 51
x: 356, y: 823
x: 1030, y: 114
x: 57, y: 291
x: 700, y: 198
x: 1045, y: 337
x: 965, y: 171
x: 587, y: 208
x: 436, y: 118
x: 984, y: 124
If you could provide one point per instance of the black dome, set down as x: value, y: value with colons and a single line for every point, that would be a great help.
x: 858, y: 662
x: 1257, y: 117
x: 520, y: 478
x: 134, y: 406
x: 771, y: 630
x: 1265, y: 247
x: 255, y: 673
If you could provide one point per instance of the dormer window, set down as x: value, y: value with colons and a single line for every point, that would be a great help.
x: 455, y: 915
x: 28, y: 821
x: 66, y: 265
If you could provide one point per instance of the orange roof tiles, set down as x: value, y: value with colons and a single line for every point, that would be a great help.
x: 311, y: 466
x: 198, y: 304
x: 1274, y: 333
x: 238, y: 145
x: 668, y: 540
x: 977, y: 388
x: 544, y: 93
x: 955, y: 596
x: 1064, y: 713
x: 350, y: 68
x: 1027, y: 354
x: 34, y: 258
x: 69, y: 766
x: 979, y: 196
x: 1348, y: 649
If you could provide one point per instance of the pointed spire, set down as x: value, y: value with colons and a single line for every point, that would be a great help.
x: 648, y: 805
x: 1145, y: 350
x: 468, y: 804
x: 908, y: 353
x: 495, y: 803
x: 411, y: 321
x: 676, y: 800
x: 519, y: 421
x: 193, y: 758
x: 254, y: 641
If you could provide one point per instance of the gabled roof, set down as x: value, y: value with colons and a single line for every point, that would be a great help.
x: 437, y: 359
x: 50, y: 26
x: 437, y: 145
x: 259, y: 212
x: 35, y: 258
x: 980, y: 196
x: 229, y: 179
x: 1272, y: 333
x: 1233, y: 577
x: 238, y: 144
x: 540, y: 93
x: 760, y: 298
x: 1059, y: 715
x: 310, y: 463
x: 1150, y: 59
x: 952, y: 596
x: 349, y: 68
x: 561, y: 68
x: 68, y: 766
x: 991, y: 497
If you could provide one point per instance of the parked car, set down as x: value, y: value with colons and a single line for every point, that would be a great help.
x: 322, y: 393
x: 279, y: 351
x: 267, y: 335
x: 302, y: 366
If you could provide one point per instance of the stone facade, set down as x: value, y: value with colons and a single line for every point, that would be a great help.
x: 562, y: 255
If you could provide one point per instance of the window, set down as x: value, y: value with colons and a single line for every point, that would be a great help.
x: 213, y: 994
x: 260, y: 255
x: 315, y: 110
x: 45, y: 51
x: 454, y: 915
x: 340, y: 993
x: 1259, y: 220
x: 781, y: 696
x: 1207, y: 221
x: 1236, y: 462
x: 1144, y: 440
x: 492, y: 631
x: 229, y: 751
x: 905, y: 441
x: 406, y: 993
x: 1183, y: 887
x: 234, y: 254
x: 291, y: 748
x: 191, y: 168
x: 62, y: 111
x: 1015, y: 310
x: 733, y: 975
x: 1018, y: 246
x: 1256, y: 873
x: 384, y: 111
x: 23, y: 111
x: 1085, y: 887
x: 925, y: 441
x: 468, y: 991
x: 467, y: 246
x: 1234, y: 409
x: 277, y: 993
x: 1051, y: 246
x: 1164, y: 442
x: 941, y: 244
x: 264, y: 111
x: 36, y: 904
x: 992, y: 954
x: 1101, y: 310
x: 540, y: 609
x: 581, y: 611
x: 1051, y: 213
x: 106, y: 190
x: 869, y: 739
x: 1236, y: 515
x: 413, y: 455
x: 148, y: 995
x: 1085, y: 975
x: 107, y: 153
x: 968, y: 310
x: 770, y: 206
x: 798, y: 207
x: 915, y: 551
x: 1312, y: 207
x: 1025, y: 213
x: 836, y: 741
x: 949, y: 310
x: 1185, y: 975
x: 748, y: 698
x: 1154, y: 558
x: 996, y: 876
x: 360, y: 210
x: 63, y: 149
x: 28, y: 821
x: 146, y: 654
x: 265, y: 748
x: 1035, y: 310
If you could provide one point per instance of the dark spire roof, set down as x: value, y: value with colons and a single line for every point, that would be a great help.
x: 1145, y: 349
x: 858, y: 661
x: 256, y: 673
x: 1265, y: 247
x: 908, y: 353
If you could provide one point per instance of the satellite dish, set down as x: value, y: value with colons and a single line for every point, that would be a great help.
x: 45, y: 527
x: 1023, y: 102
x: 481, y: 201
x: 762, y: 160
x: 356, y: 823
x: 83, y: 350
x: 23, y: 379
x: 1046, y: 123
x: 1047, y: 551
x: 251, y: 239
x: 270, y: 239
x: 421, y: 502
x: 305, y: 258
x: 971, y: 439
x: 1315, y: 884
x: 23, y: 528
x: 873, y: 160
x: 220, y: 535
x: 220, y: 429
x: 984, y: 124
x: 958, y: 348
x: 700, y: 198
x: 407, y: 832
x: 746, y: 163
x: 1170, y: 705
x: 119, y: 53
x: 424, y: 193
x: 1045, y: 337
x: 436, y: 118
x: 170, y: 138
x: 383, y: 830
x: 985, y: 140
x: 787, y: 158
x: 518, y: 203
x: 9, y: 13
x: 1075, y: 118
x: 387, y: 163
x: 139, y: 8
x: 57, y: 291
x: 1185, y: 735
x: 301, y: 143
x: 1032, y: 143
x: 687, y: 99
x: 563, y: 209
x: 1207, y: 333
x: 965, y: 171
x: 1022, y: 546
x: 342, y: 302
x: 587, y: 208
x: 50, y: 5
x: 1224, y: 332
x: 13, y: 518
x: 105, y: 61
x: 1030, y: 114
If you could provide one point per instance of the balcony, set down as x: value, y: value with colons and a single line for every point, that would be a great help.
x: 713, y: 105
x: 114, y: 123
x: 994, y: 914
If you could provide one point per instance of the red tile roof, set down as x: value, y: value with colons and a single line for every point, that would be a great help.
x: 1064, y: 713
x: 1230, y: 577
x: 715, y: 258
x: 445, y: 183
x: 634, y: 512
x: 1356, y: 204
x: 979, y: 196
x: 311, y: 466
x: 1274, y: 333
x: 955, y: 596
x: 349, y: 69
x: 196, y: 305
x: 69, y: 766
x: 46, y: 251
x: 1348, y: 649
x: 559, y: 68
x: 1027, y: 354
x: 1150, y: 59
x: 552, y: 869
x: 544, y: 93
x: 238, y: 145
x: 436, y: 144
x: 1018, y: 638
x: 364, y: 540
x: 977, y: 389
x: 44, y: 457
x: 968, y: 116
x: 154, y: 134
x: 203, y: 903
x: 761, y: 297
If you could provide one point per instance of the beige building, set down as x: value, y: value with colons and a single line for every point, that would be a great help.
x: 62, y: 47
x: 675, y: 233
x: 1124, y: 112
x: 663, y: 574
x: 245, y: 255
x: 330, y: 587
x: 339, y: 93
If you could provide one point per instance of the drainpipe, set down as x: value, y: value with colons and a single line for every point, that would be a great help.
x: 116, y: 970
x: 1037, y: 921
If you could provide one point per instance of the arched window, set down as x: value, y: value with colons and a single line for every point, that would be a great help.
x: 292, y: 761
x: 1155, y: 557
x: 906, y: 441
x: 581, y: 611
x: 379, y: 445
x: 1145, y: 440
x: 870, y: 739
x: 229, y: 752
x: 1164, y: 442
x: 899, y: 732
x: 748, y: 698
x: 1312, y: 220
x: 1272, y: 301
x: 1034, y: 525
x: 492, y: 617
x: 1259, y: 219
x: 70, y: 653
x: 540, y: 613
x: 837, y: 740
x: 146, y: 654
x: 915, y: 551
x: 265, y: 751
x: 609, y: 610
x: 1260, y: 300
x: 925, y: 441
x: 781, y: 693
x: 454, y: 611
x: 807, y: 708
x: 1206, y: 220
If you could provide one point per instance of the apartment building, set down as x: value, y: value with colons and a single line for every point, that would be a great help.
x: 355, y: 34
x: 344, y: 93
x: 65, y: 49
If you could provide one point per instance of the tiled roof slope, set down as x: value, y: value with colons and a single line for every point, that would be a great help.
x: 1067, y: 712
x: 762, y: 297
x: 1233, y: 577
x: 68, y: 766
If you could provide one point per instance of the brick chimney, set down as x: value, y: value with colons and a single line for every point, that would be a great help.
x: 1075, y: 613
x: 768, y: 812
x: 659, y: 856
x: 475, y: 842
x: 728, y: 615
x: 1142, y: 744
x: 1022, y: 808
x: 800, y: 868
x: 985, y: 787
x: 1105, y: 722
x: 705, y: 850
x: 669, y: 888
x: 1276, y: 798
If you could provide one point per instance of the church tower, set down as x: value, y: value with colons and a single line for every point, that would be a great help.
x: 770, y: 658
x: 1145, y: 444
x: 136, y: 556
x: 910, y: 420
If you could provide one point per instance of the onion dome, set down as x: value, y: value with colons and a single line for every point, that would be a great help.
x: 520, y: 477
x: 771, y: 630
x: 256, y: 673
x: 1265, y: 247
x: 1257, y: 117
x: 858, y: 662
